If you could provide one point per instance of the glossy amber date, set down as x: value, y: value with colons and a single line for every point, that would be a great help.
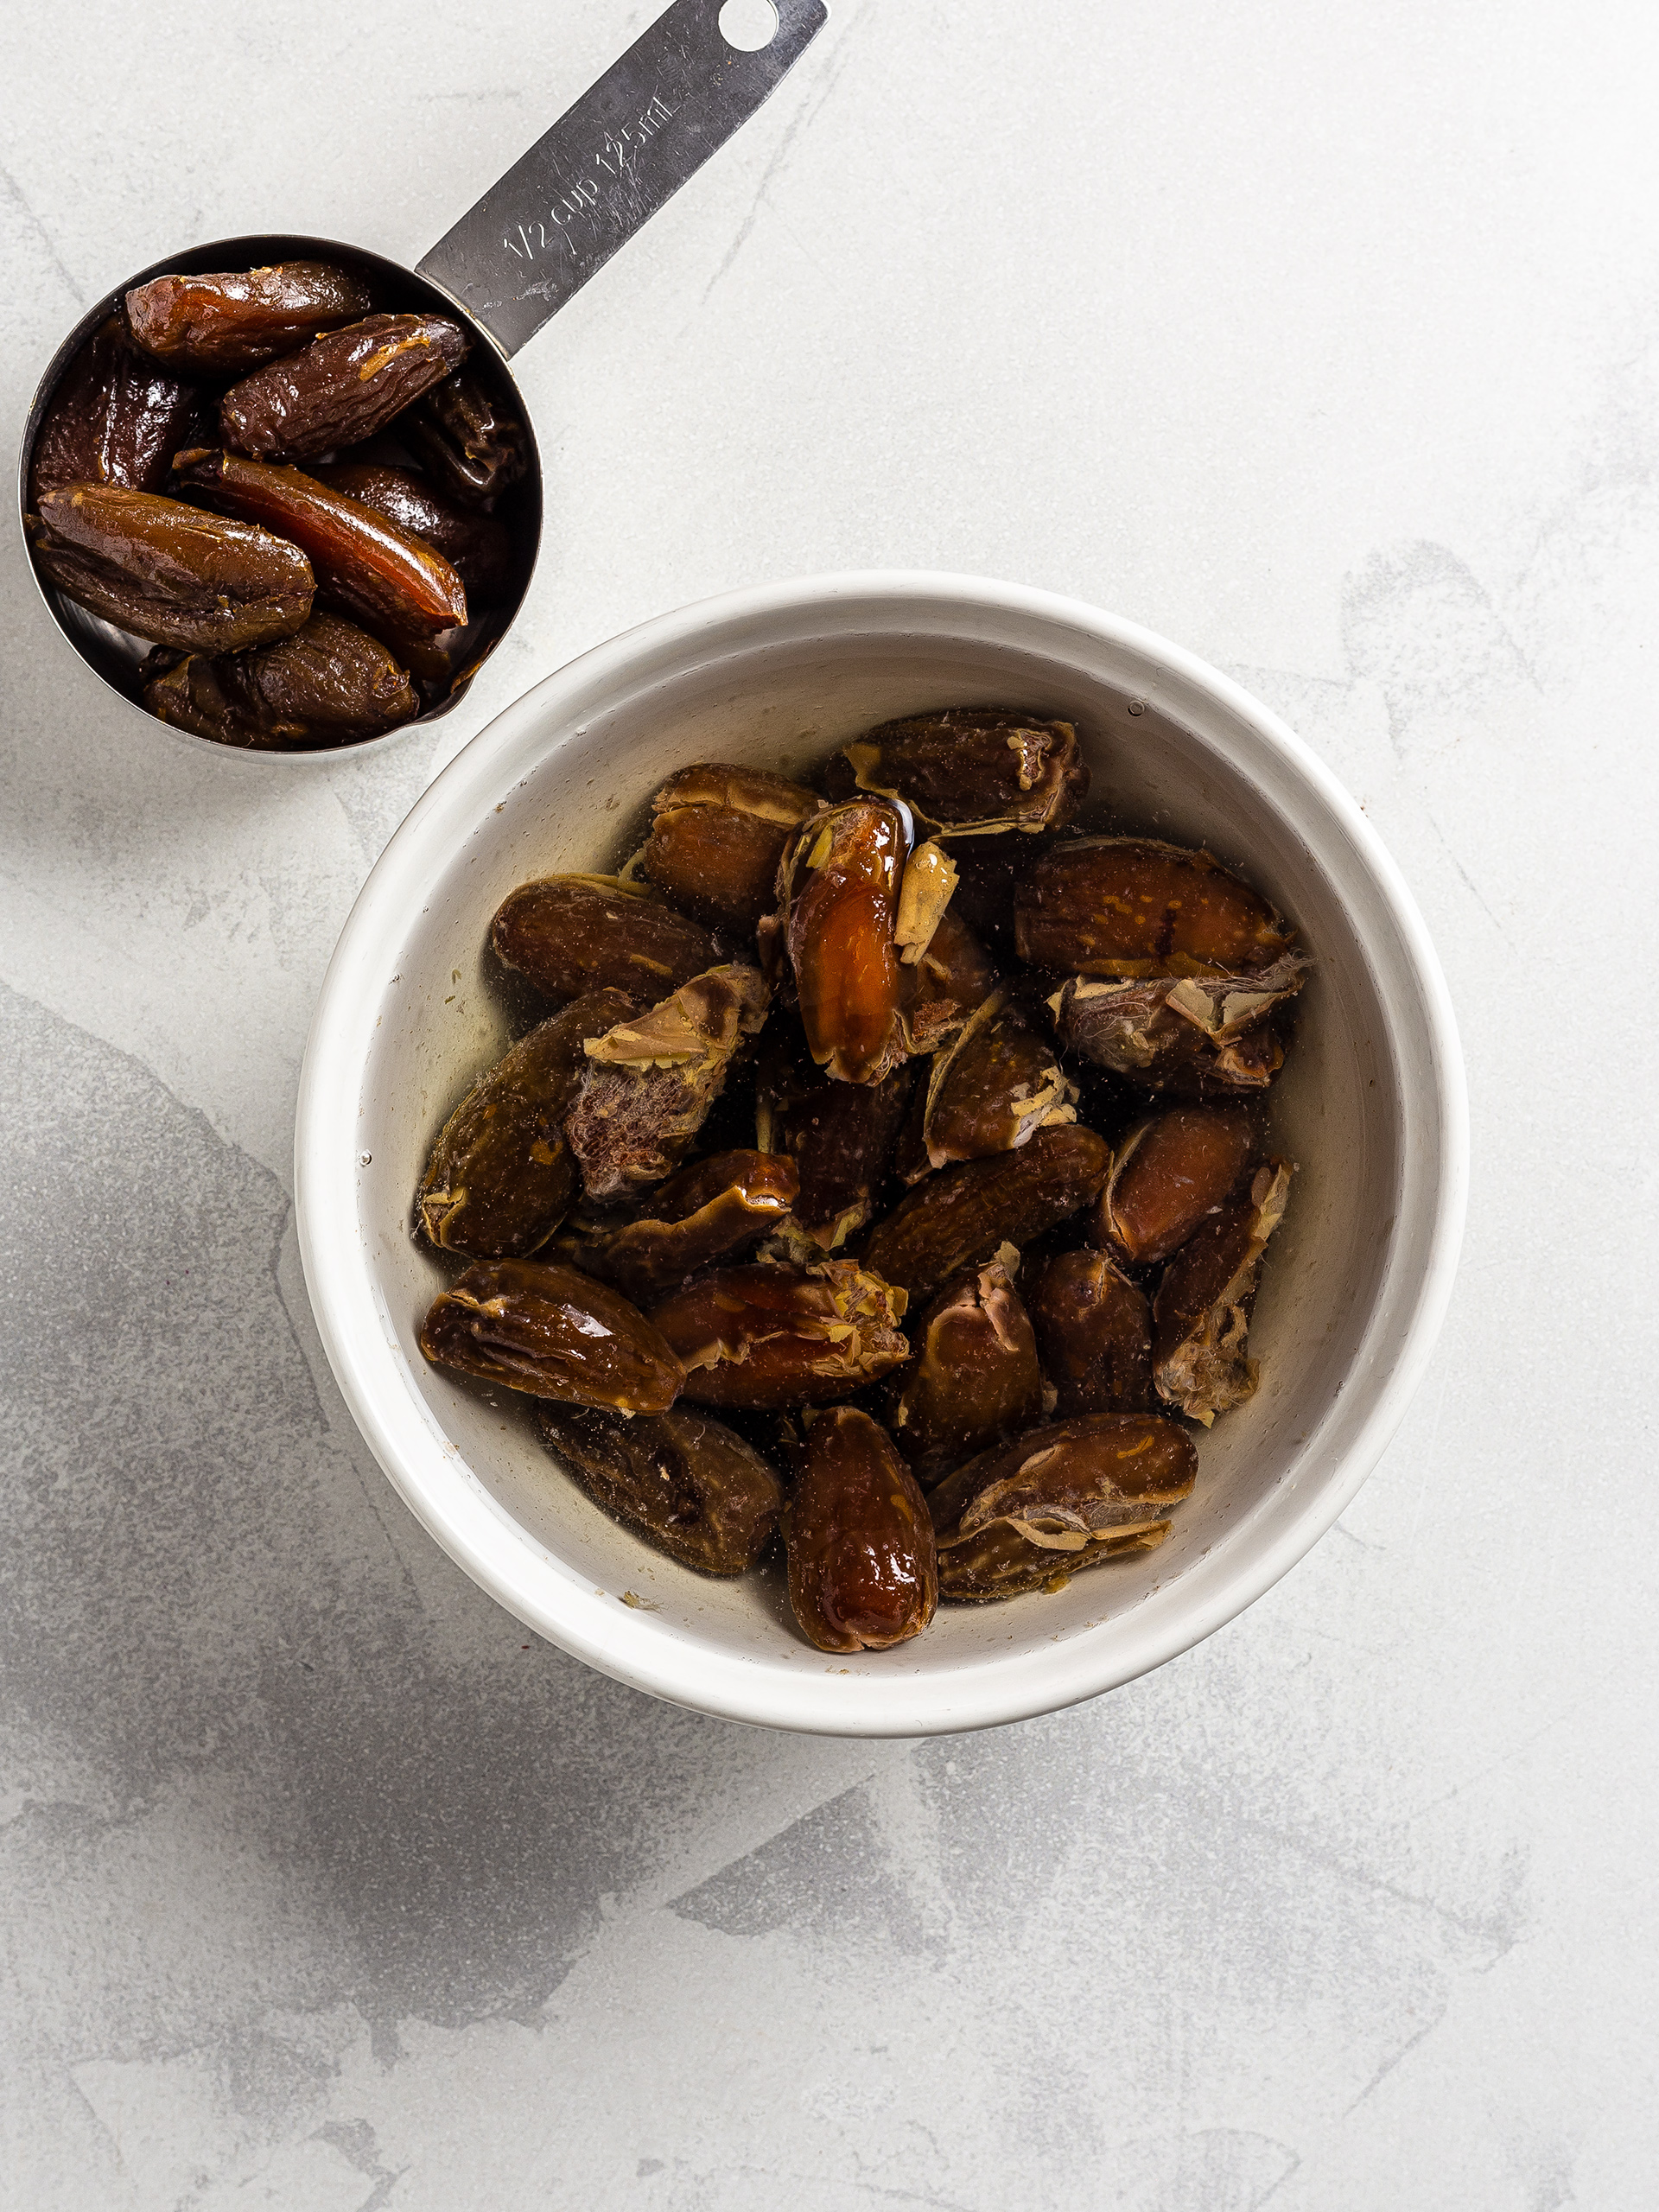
x: 652, y: 1077
x: 341, y: 388
x: 939, y: 990
x: 472, y: 445
x: 1201, y: 1315
x: 773, y: 1336
x: 115, y: 418
x: 841, y: 877
x: 681, y: 1480
x: 553, y: 1333
x: 1217, y: 1036
x: 1132, y: 906
x: 974, y: 1379
x: 575, y: 933
x: 862, y: 1574
x: 501, y: 1177
x: 330, y: 684
x: 712, y: 1210
x: 476, y: 546
x: 717, y: 835
x: 1030, y: 1515
x: 226, y: 324
x: 168, y: 572
x: 365, y: 566
x: 962, y: 1215
x: 839, y: 1135
x: 1094, y: 1330
x: 990, y: 1090
x: 971, y: 770
x: 1168, y: 1176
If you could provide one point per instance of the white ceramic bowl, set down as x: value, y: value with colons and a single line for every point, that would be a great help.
x: 1371, y: 1106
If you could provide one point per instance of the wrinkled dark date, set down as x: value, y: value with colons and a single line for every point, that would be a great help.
x: 1094, y: 1329
x: 476, y: 546
x: 168, y: 573
x: 226, y: 324
x: 1030, y: 1515
x: 575, y: 933
x: 840, y: 877
x: 115, y: 418
x: 975, y: 1379
x: 341, y: 388
x: 971, y: 769
x: 718, y: 835
x: 553, y: 1333
x: 329, y: 683
x: 1201, y: 1314
x: 472, y: 445
x: 962, y: 1215
x: 1168, y: 1175
x: 365, y: 566
x: 501, y: 1177
x: 772, y: 1336
x: 1132, y: 906
x: 989, y: 1090
x: 840, y: 1136
x: 1217, y: 1036
x: 711, y: 1210
x: 862, y: 1573
x: 681, y: 1480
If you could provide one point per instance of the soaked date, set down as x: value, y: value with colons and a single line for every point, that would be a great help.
x: 340, y: 389
x: 962, y: 1215
x: 863, y: 1572
x: 115, y: 418
x: 682, y: 1480
x: 774, y: 1336
x: 1094, y: 1330
x: 1201, y: 1314
x: 975, y: 1379
x: 841, y: 884
x: 329, y: 683
x: 551, y: 1332
x: 712, y: 1210
x: 569, y: 934
x: 718, y: 835
x: 226, y: 324
x: 1168, y: 1176
x: 971, y: 770
x: 1129, y: 907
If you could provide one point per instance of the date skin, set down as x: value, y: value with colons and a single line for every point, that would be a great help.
x: 682, y: 1480
x: 1134, y: 906
x: 1168, y: 1176
x: 551, y: 1332
x: 718, y: 833
x: 169, y: 573
x: 330, y: 684
x: 501, y: 1177
x: 863, y: 1572
x: 773, y: 1337
x: 471, y: 444
x: 226, y: 324
x: 1094, y: 1330
x: 575, y: 933
x: 115, y: 418
x: 340, y: 389
x: 839, y: 1135
x: 476, y: 546
x: 975, y: 1379
x: 962, y: 1215
x: 971, y: 770
x: 365, y: 567
x: 841, y: 876
x: 710, y: 1212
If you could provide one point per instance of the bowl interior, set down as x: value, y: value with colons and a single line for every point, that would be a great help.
x: 563, y: 782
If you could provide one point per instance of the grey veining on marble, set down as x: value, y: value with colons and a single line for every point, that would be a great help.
x: 1326, y: 341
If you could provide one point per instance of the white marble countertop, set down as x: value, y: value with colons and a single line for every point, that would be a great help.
x: 1326, y: 341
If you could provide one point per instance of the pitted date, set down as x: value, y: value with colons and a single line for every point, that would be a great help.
x: 718, y: 835
x: 1029, y: 1515
x: 962, y: 1215
x: 329, y: 683
x: 551, y: 1332
x: 840, y: 1136
x: 476, y: 546
x: 863, y: 1572
x: 1217, y: 1037
x: 226, y: 324
x: 1201, y: 1314
x: 681, y: 1480
x: 472, y: 445
x: 1094, y: 1330
x: 1128, y: 906
x: 974, y: 1379
x: 773, y: 1336
x: 971, y: 771
x: 710, y: 1211
x: 168, y: 573
x: 340, y: 389
x: 569, y: 934
x: 990, y: 1091
x: 840, y: 877
x: 115, y: 418
x: 1168, y: 1176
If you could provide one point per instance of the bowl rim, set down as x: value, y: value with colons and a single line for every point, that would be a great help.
x: 360, y: 1344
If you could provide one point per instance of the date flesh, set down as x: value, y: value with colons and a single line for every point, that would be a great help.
x: 975, y: 1379
x: 1029, y: 1515
x: 863, y: 1572
x: 1214, y: 1037
x: 681, y: 1480
x: 840, y: 1136
x: 501, y: 1177
x: 114, y: 418
x: 1134, y: 906
x: 340, y: 389
x: 718, y: 835
x: 329, y: 683
x: 990, y: 1091
x: 773, y: 1336
x: 1094, y: 1330
x: 840, y: 877
x: 168, y: 573
x: 711, y: 1210
x: 471, y: 444
x: 476, y: 546
x: 1201, y: 1314
x: 1168, y: 1176
x: 573, y: 933
x: 551, y: 1332
x: 971, y: 770
x: 962, y: 1215
x: 226, y: 324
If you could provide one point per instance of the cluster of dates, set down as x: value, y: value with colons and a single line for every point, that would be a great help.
x: 961, y: 1325
x: 290, y: 497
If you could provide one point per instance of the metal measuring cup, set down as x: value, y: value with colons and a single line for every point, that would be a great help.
x: 512, y: 261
